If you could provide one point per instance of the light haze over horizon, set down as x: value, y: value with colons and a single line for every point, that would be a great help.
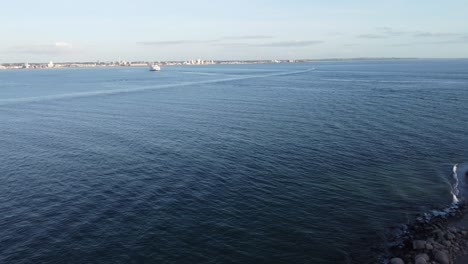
x: 53, y: 30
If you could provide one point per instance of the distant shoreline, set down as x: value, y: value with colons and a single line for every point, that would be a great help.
x: 98, y: 64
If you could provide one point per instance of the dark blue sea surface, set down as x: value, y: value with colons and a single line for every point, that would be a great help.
x: 274, y: 163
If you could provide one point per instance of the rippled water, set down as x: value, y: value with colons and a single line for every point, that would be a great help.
x: 225, y: 164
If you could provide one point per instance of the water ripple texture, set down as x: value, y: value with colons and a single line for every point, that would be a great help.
x: 265, y: 163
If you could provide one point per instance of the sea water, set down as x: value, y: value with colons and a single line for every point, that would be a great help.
x: 273, y: 163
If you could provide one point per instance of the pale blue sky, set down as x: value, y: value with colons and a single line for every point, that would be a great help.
x: 89, y: 30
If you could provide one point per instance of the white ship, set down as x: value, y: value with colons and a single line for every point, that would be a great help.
x: 154, y: 67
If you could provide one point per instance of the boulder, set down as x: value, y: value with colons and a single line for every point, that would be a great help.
x: 422, y: 255
x: 437, y: 245
x: 450, y: 236
x: 447, y: 243
x: 429, y: 246
x: 439, y: 235
x: 421, y: 259
x: 419, y: 244
x: 442, y: 257
x: 396, y: 261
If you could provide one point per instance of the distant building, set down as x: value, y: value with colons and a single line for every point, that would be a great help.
x: 50, y: 65
x: 26, y: 66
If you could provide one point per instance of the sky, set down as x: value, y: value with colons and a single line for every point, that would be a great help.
x: 153, y: 30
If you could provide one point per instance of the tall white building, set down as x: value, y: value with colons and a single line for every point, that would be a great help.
x: 50, y: 65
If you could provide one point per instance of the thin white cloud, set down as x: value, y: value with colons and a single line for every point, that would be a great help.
x: 49, y: 49
x: 423, y: 34
x: 223, y: 42
x: 388, y: 32
x: 247, y: 37
x: 295, y: 43
x: 191, y: 41
x: 174, y: 42
x: 441, y: 42
x: 371, y: 36
x: 63, y: 44
x: 279, y: 44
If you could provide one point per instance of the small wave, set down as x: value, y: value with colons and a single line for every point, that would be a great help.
x: 425, y: 222
x: 431, y: 224
x: 456, y: 195
x: 455, y: 190
x: 459, y: 177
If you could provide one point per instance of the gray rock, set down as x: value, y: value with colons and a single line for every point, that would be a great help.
x: 429, y: 246
x: 464, y: 232
x: 420, y: 261
x: 447, y: 243
x: 419, y: 244
x: 437, y: 245
x: 442, y: 257
x: 396, y: 261
x: 439, y: 235
x: 422, y: 255
x: 450, y: 236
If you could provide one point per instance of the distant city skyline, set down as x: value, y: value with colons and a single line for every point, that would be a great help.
x: 53, y: 30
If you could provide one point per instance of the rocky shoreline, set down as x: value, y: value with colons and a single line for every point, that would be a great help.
x: 430, y: 239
